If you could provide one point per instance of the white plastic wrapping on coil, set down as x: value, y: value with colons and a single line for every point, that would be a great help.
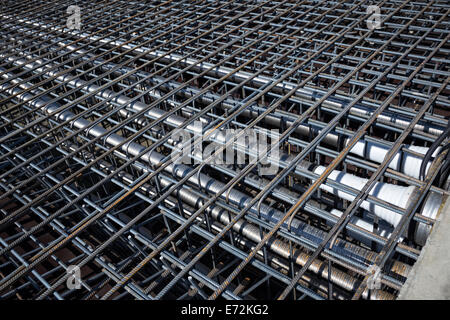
x: 393, y: 194
x: 404, y: 162
x: 383, y: 230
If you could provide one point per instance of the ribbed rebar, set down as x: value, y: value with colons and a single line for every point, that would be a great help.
x: 115, y: 137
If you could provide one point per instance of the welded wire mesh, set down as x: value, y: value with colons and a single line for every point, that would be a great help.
x: 97, y: 98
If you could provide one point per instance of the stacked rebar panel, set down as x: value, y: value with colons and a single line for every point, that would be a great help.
x: 94, y: 118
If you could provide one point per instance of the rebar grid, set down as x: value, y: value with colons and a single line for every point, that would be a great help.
x: 90, y: 177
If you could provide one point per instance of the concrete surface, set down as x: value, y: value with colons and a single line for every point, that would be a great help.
x: 430, y: 277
